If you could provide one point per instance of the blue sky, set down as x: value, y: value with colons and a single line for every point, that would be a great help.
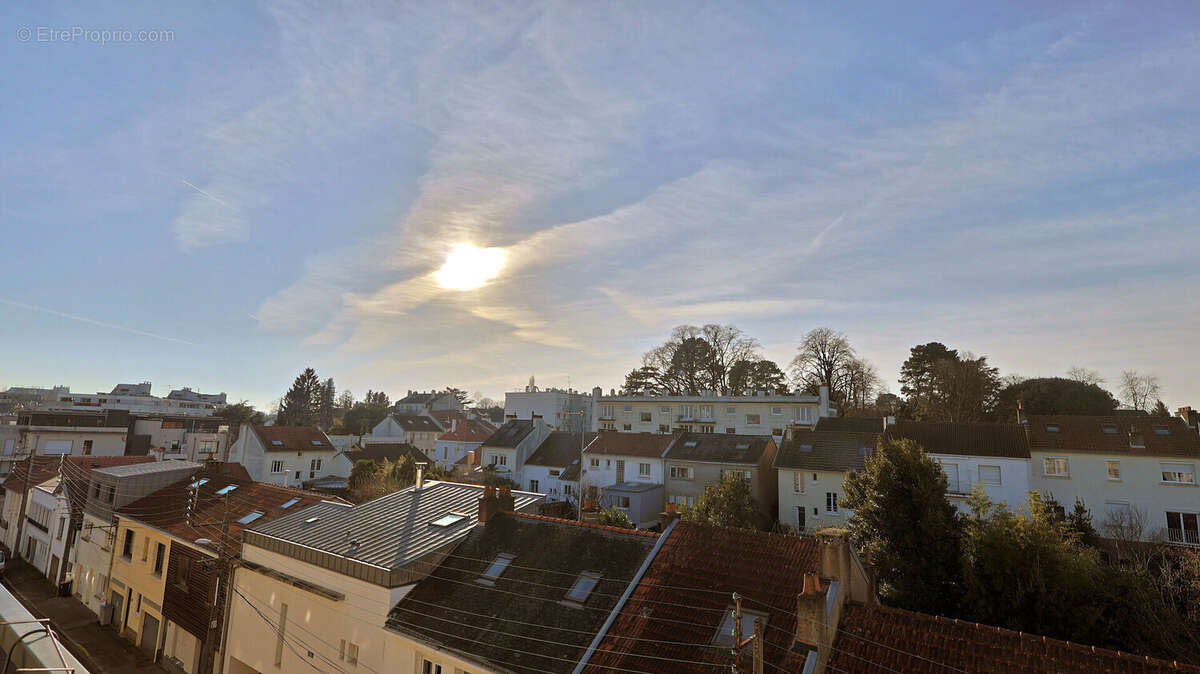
x: 273, y: 186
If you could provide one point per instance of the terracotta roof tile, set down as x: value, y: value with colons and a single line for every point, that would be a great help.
x: 467, y: 430
x: 874, y: 638
x: 292, y: 438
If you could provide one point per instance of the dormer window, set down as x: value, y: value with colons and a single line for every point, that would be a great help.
x: 724, y: 636
x: 495, y: 569
x: 582, y: 589
x: 1052, y: 428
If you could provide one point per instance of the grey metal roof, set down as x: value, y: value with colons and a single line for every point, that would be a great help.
x: 149, y: 467
x: 510, y: 434
x: 390, y: 531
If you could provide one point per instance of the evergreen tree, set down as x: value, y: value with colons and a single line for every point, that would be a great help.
x: 325, y: 404
x: 300, y: 404
x: 727, y: 504
x: 907, y: 527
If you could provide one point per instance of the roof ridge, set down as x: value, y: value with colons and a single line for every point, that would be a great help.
x: 589, y: 525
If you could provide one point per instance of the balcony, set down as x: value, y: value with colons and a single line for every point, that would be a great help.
x: 1183, y: 536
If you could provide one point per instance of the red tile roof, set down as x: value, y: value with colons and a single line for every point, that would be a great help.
x: 467, y: 430
x: 167, y: 509
x: 646, y: 445
x: 876, y: 638
x: 293, y: 438
x: 693, y: 578
x: 1087, y: 434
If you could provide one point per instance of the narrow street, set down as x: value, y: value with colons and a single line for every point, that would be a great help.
x: 97, y: 647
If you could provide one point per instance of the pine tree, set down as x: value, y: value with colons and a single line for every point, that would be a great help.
x: 325, y: 404
x: 300, y: 403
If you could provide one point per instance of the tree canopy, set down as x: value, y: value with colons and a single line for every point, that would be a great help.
x: 726, y: 504
x: 941, y: 384
x: 825, y: 358
x: 300, y: 405
x: 611, y: 517
x: 694, y: 359
x: 1053, y: 395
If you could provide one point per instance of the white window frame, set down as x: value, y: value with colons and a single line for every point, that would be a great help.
x: 643, y: 470
x: 682, y: 473
x: 1175, y: 473
x: 831, y: 503
x: 277, y: 467
x: 1047, y: 461
x: 1109, y: 466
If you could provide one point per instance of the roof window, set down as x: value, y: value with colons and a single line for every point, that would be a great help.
x: 277, y: 443
x: 582, y: 589
x: 226, y: 489
x: 742, y: 445
x: 311, y: 520
x: 724, y: 636
x: 496, y: 568
x: 317, y: 443
x: 1161, y: 429
x: 690, y: 443
x: 290, y: 503
x: 1111, y: 429
x: 1052, y: 428
x: 197, y: 483
x: 448, y: 520
x: 864, y: 451
x: 806, y: 448
x: 251, y: 517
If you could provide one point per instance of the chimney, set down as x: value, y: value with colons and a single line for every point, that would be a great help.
x: 823, y: 408
x: 812, y: 621
x: 670, y: 514
x: 495, y: 500
x: 835, y: 556
x: 420, y: 475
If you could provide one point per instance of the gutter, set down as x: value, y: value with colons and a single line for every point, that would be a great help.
x: 612, y: 616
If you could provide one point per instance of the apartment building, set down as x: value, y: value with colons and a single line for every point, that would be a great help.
x: 1135, y: 473
x: 168, y: 582
x: 627, y: 471
x: 418, y: 402
x: 283, y: 455
x: 180, y: 437
x: 104, y: 433
x: 754, y: 413
x: 564, y: 409
x: 696, y: 460
x: 137, y: 399
x: 110, y: 488
x: 327, y: 577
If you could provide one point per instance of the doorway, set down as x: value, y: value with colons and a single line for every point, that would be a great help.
x: 118, y: 615
x: 149, y: 640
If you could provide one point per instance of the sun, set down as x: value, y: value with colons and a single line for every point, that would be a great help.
x: 469, y: 267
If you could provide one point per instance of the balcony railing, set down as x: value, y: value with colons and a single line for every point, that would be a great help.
x: 1184, y: 536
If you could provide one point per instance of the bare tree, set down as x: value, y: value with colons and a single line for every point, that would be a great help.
x: 1139, y: 390
x: 1084, y: 375
x: 729, y: 345
x: 824, y: 358
x: 861, y: 384
x: 699, y: 357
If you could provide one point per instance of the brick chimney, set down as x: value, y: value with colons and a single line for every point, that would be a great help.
x: 812, y: 620
x: 495, y: 501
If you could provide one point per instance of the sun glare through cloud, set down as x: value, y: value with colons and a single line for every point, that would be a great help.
x: 468, y: 267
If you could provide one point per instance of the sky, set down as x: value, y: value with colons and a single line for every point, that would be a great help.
x: 219, y: 196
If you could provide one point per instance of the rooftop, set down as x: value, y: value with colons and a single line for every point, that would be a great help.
x: 837, y: 451
x: 999, y: 440
x: 1118, y: 434
x: 522, y: 618
x: 560, y: 449
x: 719, y: 447
x: 293, y: 439
x: 149, y: 466
x: 75, y: 467
x: 851, y: 424
x: 510, y: 434
x: 389, y: 532
x: 417, y: 423
x: 645, y: 445
x: 392, y: 451
x: 877, y: 638
x: 467, y: 430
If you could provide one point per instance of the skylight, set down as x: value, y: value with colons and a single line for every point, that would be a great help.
x: 1160, y: 429
x: 806, y: 448
x: 496, y: 568
x: 197, y: 483
x: 317, y: 443
x: 690, y: 443
x: 311, y: 520
x: 251, y: 517
x: 278, y: 443
x: 290, y: 503
x: 742, y: 445
x: 1052, y: 428
x: 226, y: 489
x: 1111, y: 429
x: 448, y: 520
x: 584, y: 584
x: 724, y: 637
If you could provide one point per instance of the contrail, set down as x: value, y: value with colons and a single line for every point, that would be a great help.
x: 219, y: 201
x: 102, y: 324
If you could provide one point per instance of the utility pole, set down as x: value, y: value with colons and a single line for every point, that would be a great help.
x: 582, y: 437
x: 220, y: 573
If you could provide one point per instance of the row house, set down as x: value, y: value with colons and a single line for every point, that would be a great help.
x: 167, y: 590
x: 461, y: 437
x: 627, y: 471
x: 110, y: 488
x: 315, y: 588
x: 284, y: 455
x: 755, y: 413
x: 419, y: 430
x: 1137, y: 474
x: 696, y: 460
x: 417, y: 402
x: 813, y: 465
x: 505, y: 452
x: 554, y: 467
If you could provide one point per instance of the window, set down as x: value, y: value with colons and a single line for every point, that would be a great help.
x: 160, y: 554
x: 951, y: 470
x: 315, y: 464
x: 595, y: 463
x: 198, y: 483
x: 277, y: 466
x: 665, y: 409
x: 683, y: 501
x: 681, y: 472
x: 1119, y: 512
x: 428, y: 667
x: 621, y: 502
x: 606, y: 412
x: 831, y: 502
x: 628, y: 408
x: 1161, y: 429
x: 776, y: 411
x: 989, y: 475
x: 798, y: 482
x: 730, y: 430
x: 1110, y: 429
x: 627, y: 427
x: 297, y: 475
x: 110, y: 493
x: 496, y: 568
x: 730, y: 472
x: 583, y: 587
x: 247, y: 519
x: 664, y: 428
x: 725, y: 632
x: 289, y: 503
x: 277, y: 443
x: 533, y: 485
x: 145, y: 548
x: 645, y: 417
x: 685, y: 412
x: 1114, y: 470
x: 730, y: 411
x: 644, y: 470
x: 87, y: 447
x: 57, y: 447
x: 706, y: 412
x: 802, y: 415
x: 127, y: 547
x: 1182, y: 528
x: 1055, y: 466
x: 1179, y: 473
x: 1052, y: 428
x: 752, y: 419
x: 691, y: 443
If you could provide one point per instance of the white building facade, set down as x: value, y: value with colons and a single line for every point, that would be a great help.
x: 759, y: 413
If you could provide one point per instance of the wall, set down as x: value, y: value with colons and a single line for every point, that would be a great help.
x: 106, y: 441
x: 814, y: 485
x: 92, y: 555
x: 248, y: 450
x: 551, y: 405
x: 763, y: 482
x: 1014, y: 486
x: 447, y: 452
x: 604, y: 473
x: 406, y: 655
x: 294, y: 462
x: 775, y: 413
x: 137, y: 573
x: 1140, y: 486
